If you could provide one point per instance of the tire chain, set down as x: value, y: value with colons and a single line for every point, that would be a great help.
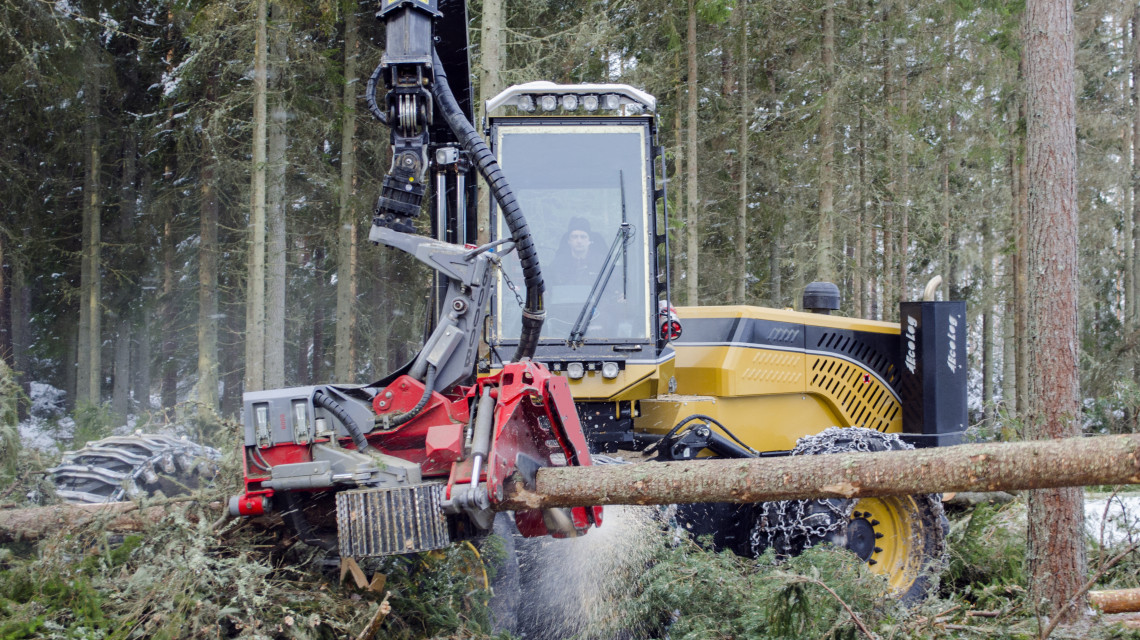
x: 118, y: 468
x: 790, y: 526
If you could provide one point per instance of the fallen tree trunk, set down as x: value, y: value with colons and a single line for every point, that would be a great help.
x: 1011, y: 466
x: 974, y: 467
x: 33, y: 523
x: 1117, y: 601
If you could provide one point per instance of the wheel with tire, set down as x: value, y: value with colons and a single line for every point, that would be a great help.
x: 900, y: 537
x: 121, y: 468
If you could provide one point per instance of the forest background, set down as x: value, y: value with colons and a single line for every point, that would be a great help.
x: 874, y: 143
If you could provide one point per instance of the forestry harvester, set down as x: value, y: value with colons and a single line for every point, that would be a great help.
x: 594, y: 358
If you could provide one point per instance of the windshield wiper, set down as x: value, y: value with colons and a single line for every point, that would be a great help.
x: 577, y: 333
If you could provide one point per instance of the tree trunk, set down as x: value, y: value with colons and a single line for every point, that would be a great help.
x: 887, y: 198
x: 6, y: 354
x: 692, y: 216
x: 21, y: 322
x: 1020, y: 291
x: 123, y: 308
x: 745, y: 112
x: 255, y: 279
x: 861, y: 278
x: 1116, y: 601
x: 826, y: 257
x: 275, y: 243
x: 902, y: 196
x: 987, y: 321
x: 88, y: 380
x: 1134, y: 320
x: 491, y: 48
x: 1055, y: 552
x: 121, y: 384
x: 169, y: 308
x: 317, y: 365
x: 344, y: 368
x: 208, y: 293
x: 141, y: 368
x: 775, y: 253
x: 34, y: 523
x: 973, y: 467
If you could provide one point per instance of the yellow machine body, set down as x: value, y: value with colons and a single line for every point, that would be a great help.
x: 767, y: 394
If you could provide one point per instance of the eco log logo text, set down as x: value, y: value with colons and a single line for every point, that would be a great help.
x: 911, y: 336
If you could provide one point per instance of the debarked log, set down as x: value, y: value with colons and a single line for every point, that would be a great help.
x: 1009, y: 466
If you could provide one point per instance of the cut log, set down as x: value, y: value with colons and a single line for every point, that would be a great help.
x: 33, y: 523
x: 1117, y: 601
x: 974, y: 467
x: 1012, y: 466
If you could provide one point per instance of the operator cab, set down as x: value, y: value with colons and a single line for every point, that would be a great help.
x: 584, y: 164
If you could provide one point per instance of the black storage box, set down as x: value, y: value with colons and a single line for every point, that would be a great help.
x: 932, y: 355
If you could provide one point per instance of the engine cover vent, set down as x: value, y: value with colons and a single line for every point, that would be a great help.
x: 391, y: 521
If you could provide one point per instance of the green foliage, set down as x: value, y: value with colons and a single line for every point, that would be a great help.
x: 10, y: 396
x: 92, y: 422
x: 1115, y: 411
x: 438, y: 594
x: 691, y: 592
x: 987, y: 556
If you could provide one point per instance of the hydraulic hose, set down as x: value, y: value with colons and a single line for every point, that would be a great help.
x: 370, y: 96
x: 533, y: 313
x: 429, y: 384
x: 321, y: 399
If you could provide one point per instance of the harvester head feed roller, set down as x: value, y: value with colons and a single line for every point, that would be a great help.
x: 391, y: 521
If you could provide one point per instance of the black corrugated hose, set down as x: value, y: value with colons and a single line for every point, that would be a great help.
x: 429, y: 385
x: 533, y: 312
x: 320, y: 399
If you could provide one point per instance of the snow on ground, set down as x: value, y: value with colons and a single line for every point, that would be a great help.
x: 1118, y: 515
x: 47, y: 425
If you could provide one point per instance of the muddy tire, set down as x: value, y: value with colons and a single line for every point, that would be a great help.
x: 121, y: 468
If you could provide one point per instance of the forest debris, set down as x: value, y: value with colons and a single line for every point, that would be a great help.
x: 1127, y: 620
x: 974, y: 498
x: 349, y: 567
x: 374, y: 624
x: 1116, y: 601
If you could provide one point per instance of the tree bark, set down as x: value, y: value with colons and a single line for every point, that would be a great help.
x: 1134, y: 319
x: 208, y: 293
x: 492, y: 48
x: 21, y: 311
x: 344, y: 368
x: 169, y: 369
x: 275, y: 241
x: 88, y: 380
x: 1116, y: 601
x: 887, y: 198
x: 141, y: 369
x: 902, y: 196
x: 692, y: 216
x: 34, y: 523
x: 255, y: 278
x: 1055, y: 552
x: 826, y: 248
x: 973, y: 467
x: 745, y: 112
x: 6, y: 354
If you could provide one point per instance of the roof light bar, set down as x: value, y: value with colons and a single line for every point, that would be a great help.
x: 590, y: 97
